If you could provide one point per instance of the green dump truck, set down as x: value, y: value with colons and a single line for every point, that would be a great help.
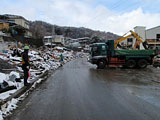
x: 103, y: 54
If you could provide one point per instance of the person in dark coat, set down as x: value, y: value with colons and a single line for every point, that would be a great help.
x: 25, y: 65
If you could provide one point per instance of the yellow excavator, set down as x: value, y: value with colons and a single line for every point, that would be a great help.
x: 133, y: 34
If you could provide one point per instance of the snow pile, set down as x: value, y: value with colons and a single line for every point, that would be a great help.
x: 1, y: 118
x: 3, y: 77
x: 11, y: 82
x: 9, y: 106
x: 7, y: 80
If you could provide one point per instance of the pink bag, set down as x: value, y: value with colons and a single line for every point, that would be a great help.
x: 29, y: 75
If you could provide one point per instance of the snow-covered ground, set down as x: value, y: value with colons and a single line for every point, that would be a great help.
x: 40, y: 60
x: 9, y: 80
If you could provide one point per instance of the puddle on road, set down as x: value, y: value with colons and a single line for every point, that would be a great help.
x: 128, y: 76
x: 150, y: 94
x: 151, y: 99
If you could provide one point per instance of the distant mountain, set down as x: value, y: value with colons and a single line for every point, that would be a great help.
x: 40, y: 28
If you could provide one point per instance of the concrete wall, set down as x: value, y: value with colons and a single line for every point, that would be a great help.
x: 141, y: 31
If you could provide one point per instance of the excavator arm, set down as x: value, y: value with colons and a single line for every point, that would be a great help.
x: 137, y: 43
x: 120, y: 40
x: 136, y: 36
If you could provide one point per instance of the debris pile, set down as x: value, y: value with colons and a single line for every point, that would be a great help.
x: 11, y: 73
x: 156, y: 61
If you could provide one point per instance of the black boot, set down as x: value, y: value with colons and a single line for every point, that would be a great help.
x: 27, y: 84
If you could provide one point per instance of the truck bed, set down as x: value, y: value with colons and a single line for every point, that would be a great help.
x: 136, y: 52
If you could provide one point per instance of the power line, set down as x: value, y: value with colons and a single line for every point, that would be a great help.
x: 116, y: 5
x: 130, y: 8
x: 113, y: 5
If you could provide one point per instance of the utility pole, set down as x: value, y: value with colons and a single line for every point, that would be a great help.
x: 53, y: 32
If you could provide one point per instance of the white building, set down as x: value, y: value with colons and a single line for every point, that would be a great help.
x: 56, y: 39
x: 80, y: 42
x: 47, y: 40
x: 153, y: 37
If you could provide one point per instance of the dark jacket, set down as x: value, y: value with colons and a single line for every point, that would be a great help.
x: 25, y: 59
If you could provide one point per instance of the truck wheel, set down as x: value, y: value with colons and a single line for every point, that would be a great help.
x: 131, y: 64
x: 101, y: 64
x: 142, y: 63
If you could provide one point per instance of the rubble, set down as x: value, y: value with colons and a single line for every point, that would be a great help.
x: 156, y: 61
x: 5, y: 66
x: 11, y: 73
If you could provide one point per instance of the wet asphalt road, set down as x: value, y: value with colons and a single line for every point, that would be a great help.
x: 78, y: 91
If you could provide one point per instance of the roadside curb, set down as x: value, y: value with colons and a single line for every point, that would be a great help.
x: 21, y: 91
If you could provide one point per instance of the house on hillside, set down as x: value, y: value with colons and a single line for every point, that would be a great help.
x: 77, y: 43
x: 54, y: 40
x: 19, y: 21
x: 84, y: 41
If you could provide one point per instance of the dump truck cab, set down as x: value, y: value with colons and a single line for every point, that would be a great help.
x: 99, y: 50
x: 102, y: 49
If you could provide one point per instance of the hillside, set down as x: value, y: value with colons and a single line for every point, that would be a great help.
x: 40, y: 28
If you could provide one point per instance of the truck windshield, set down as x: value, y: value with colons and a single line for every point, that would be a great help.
x: 95, y: 51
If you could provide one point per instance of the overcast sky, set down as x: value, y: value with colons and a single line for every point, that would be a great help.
x: 117, y: 16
